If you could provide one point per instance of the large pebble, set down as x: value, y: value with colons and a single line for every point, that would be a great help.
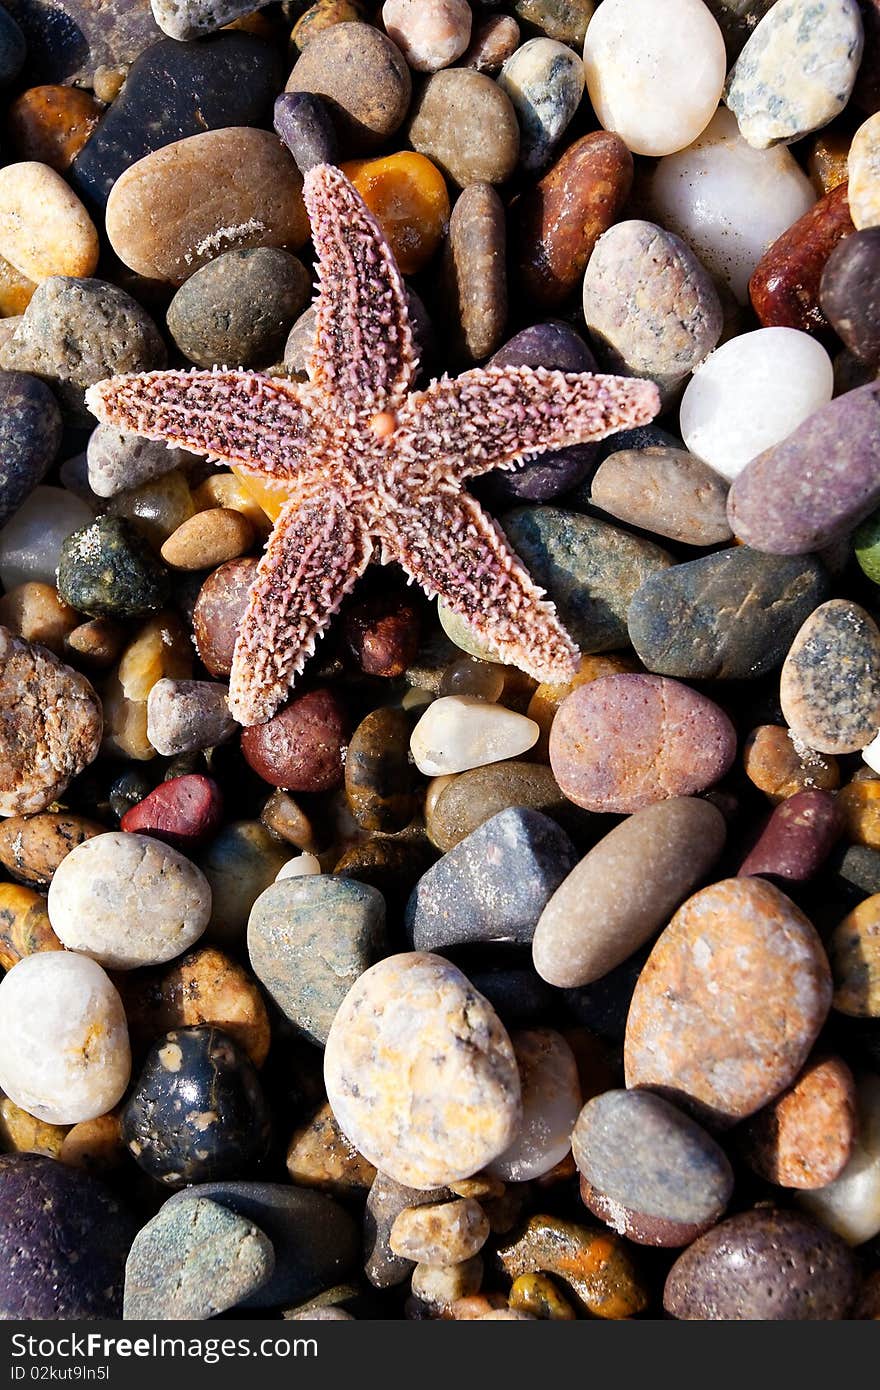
x: 626, y: 741
x: 850, y: 293
x: 429, y: 36
x: 642, y: 78
x: 785, y: 286
x: 765, y: 1266
x: 363, y: 77
x: 458, y: 732
x: 184, y: 716
x: 475, y: 271
x: 309, y: 940
x: 107, y: 570
x: 728, y: 616
x: 420, y: 1073
x: 733, y: 408
x: 728, y: 201
x: 692, y: 1031
x: 30, y: 433
x: 238, y: 309
x: 625, y: 889
x: 797, y: 70
x: 597, y: 1266
x: 863, y: 163
x: 780, y: 769
x: 545, y: 81
x: 63, y: 240
x: 647, y: 1170
x: 466, y: 124
x: 493, y: 885
x: 830, y: 684
x: 551, y: 1099
x: 128, y: 900
x: 804, y: 1139
x: 64, y: 1053
x: 179, y: 207
x: 51, y: 729
x: 301, y: 747
x: 851, y: 1204
x: 466, y: 801
x: 666, y: 491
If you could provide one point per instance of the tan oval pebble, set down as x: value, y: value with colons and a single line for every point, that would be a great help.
x: 780, y: 767
x: 625, y: 889
x: 95, y: 1145
x: 805, y: 1137
x: 362, y: 75
x: 442, y: 1285
x: 466, y: 124
x: 44, y: 228
x: 694, y: 1031
x: 420, y: 1073
x: 444, y: 1234
x: 624, y: 742
x: 854, y: 949
x: 863, y: 163
x: 319, y: 1155
x: 208, y: 539
x: 32, y: 847
x: 35, y: 612
x: 829, y: 689
x: 179, y: 207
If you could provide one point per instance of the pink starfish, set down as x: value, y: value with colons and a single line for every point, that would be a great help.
x: 364, y: 459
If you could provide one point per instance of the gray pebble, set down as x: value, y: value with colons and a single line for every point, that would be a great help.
x: 545, y: 82
x: 237, y: 310
x: 30, y: 433
x: 189, y: 19
x: 668, y: 492
x: 475, y: 273
x: 303, y: 122
x: 118, y: 462
x: 185, y: 716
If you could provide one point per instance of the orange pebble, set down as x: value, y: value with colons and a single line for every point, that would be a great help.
x: 827, y: 161
x: 779, y: 768
x: 409, y: 197
x: 51, y: 124
x: 16, y: 290
x: 859, y: 805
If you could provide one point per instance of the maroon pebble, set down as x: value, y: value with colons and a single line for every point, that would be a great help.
x: 382, y: 634
x: 184, y: 812
x: 300, y: 748
x: 218, y: 612
x: 797, y: 838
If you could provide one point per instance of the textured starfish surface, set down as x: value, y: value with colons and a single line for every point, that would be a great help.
x: 367, y: 461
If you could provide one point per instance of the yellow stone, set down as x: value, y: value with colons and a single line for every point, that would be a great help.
x: 24, y: 925
x: 228, y: 490
x: 859, y: 805
x: 408, y: 196
x: 161, y: 649
x: 16, y: 290
x: 44, y: 228
x: 21, y: 1133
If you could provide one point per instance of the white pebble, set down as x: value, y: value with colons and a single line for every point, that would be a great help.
x: 655, y: 73
x: 545, y: 82
x: 751, y: 393
x: 31, y: 540
x: 871, y: 754
x: 64, y: 1052
x: 851, y: 1204
x: 728, y: 201
x: 430, y: 36
x: 551, y: 1101
x: 458, y: 732
x: 299, y: 867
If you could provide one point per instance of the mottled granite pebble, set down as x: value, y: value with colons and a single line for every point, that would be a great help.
x: 238, y: 309
x: 545, y: 82
x: 804, y: 1138
x: 466, y: 124
x: 107, y: 570
x: 830, y: 684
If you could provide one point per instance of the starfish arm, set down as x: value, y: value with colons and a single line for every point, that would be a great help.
x: 258, y: 422
x: 493, y: 417
x: 454, y: 551
x: 316, y: 553
x: 363, y: 354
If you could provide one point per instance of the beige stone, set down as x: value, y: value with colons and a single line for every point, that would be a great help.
x: 44, y: 228
x: 864, y: 174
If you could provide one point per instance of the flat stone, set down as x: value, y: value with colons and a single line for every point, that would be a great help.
x: 30, y: 433
x: 466, y: 124
x: 545, y: 81
x: 362, y: 76
x: 666, y: 491
x: 238, y: 309
x: 830, y: 684
x: 804, y: 1138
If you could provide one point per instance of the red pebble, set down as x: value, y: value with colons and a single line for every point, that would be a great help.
x: 797, y: 838
x: 301, y: 747
x: 183, y: 812
x: 784, y: 287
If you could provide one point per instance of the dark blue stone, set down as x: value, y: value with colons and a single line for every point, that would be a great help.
x: 30, y: 433
x: 13, y: 49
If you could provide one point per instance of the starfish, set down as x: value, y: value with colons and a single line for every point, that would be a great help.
x: 364, y: 459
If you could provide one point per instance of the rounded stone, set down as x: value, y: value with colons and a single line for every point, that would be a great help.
x: 468, y: 800
x: 475, y: 271
x: 64, y: 1237
x: 35, y: 612
x: 785, y: 285
x: 409, y: 199
x: 25, y: 928
x: 218, y: 612
x: 51, y: 124
x: 238, y: 309
x: 728, y: 616
x: 443, y: 1234
x: 64, y: 1053
x: 642, y: 77
x: 182, y: 811
x: 797, y: 839
x: 420, y: 1073
x: 379, y: 780
x: 780, y: 768
x: 692, y: 1032
x: 850, y: 1206
x: 300, y: 747
x: 763, y: 1265
x: 624, y: 742
x: 850, y: 293
x: 805, y: 1137
x: 363, y: 77
x: 310, y: 938
x: 13, y: 48
x: 733, y: 407
x: 128, y: 900
x: 666, y: 491
x: 429, y: 36
x: 107, y: 570
x: 467, y: 126
x: 63, y: 240
x: 197, y: 1111
x: 647, y: 1170
x: 32, y: 847
x: 240, y: 862
x: 830, y: 684
x: 184, y: 716
x: 864, y: 152
x: 545, y: 81
x: 551, y: 1099
x: 302, y: 121
x: 30, y: 433
x: 191, y: 19
x: 118, y: 462
x: 458, y: 732
x: 210, y: 537
x: 625, y: 889
x: 650, y: 307
x: 854, y: 949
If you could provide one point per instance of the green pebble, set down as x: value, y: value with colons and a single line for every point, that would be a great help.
x: 866, y: 543
x: 107, y: 570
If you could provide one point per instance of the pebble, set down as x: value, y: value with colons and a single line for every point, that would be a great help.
x: 728, y: 201
x: 76, y: 332
x: 779, y: 767
x: 196, y: 1111
x: 240, y: 862
x: 363, y: 77
x: 379, y: 782
x: 193, y: 1260
x: 301, y: 866
x: 21, y: 1133
x: 467, y: 126
x: 625, y: 889
x: 407, y: 194
x: 862, y: 166
x: 666, y: 491
x: 429, y: 36
x: 180, y: 206
x: 551, y: 1099
x: 642, y: 79
x: 589, y: 568
x: 184, y: 716
x: 494, y: 37
x: 796, y: 72
x: 649, y: 305
x: 208, y: 539
x: 850, y: 1206
x: 218, y: 611
x: 386, y: 1200
x: 647, y: 1170
x: 438, y: 1287
x: 156, y: 508
x: 555, y: 225
x: 785, y: 285
x: 763, y: 1265
x: 443, y: 1234
x: 118, y: 462
x: 475, y: 271
x: 320, y: 1156
x: 51, y: 730
x: 288, y: 821
x: 32, y: 847
x: 321, y: 15
x: 691, y: 1028
x: 303, y: 122
x: 468, y: 800
x: 849, y: 293
x: 565, y: 20
x: 191, y: 19
x: 182, y: 811
x: 13, y: 48
x: 458, y: 732
x: 733, y: 409
x: 310, y: 938
x: 805, y: 1137
x: 301, y: 747
x: 595, y: 1266
x: 854, y: 949
x: 830, y: 684
x: 30, y: 434
x: 64, y: 1053
x: 420, y: 1073
x: 63, y: 240
x: 797, y: 839
x: 106, y: 570
x: 728, y: 616
x: 624, y: 742
x: 493, y: 885
x: 815, y: 485
x: 238, y: 309
x: 24, y: 925
x: 64, y: 1237
x: 545, y: 82
x: 35, y: 612
x: 51, y: 124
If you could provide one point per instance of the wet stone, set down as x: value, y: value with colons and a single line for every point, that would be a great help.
x: 218, y: 611
x: 32, y: 847
x: 594, y: 1265
x: 184, y: 716
x: 797, y: 839
x: 30, y: 433
x: 302, y: 120
x: 565, y: 20
x: 850, y: 293
x: 785, y: 286
x: 854, y: 949
x: 379, y: 778
x: 466, y: 124
x: 830, y: 684
x: 118, y: 462
x: 24, y: 925
x: 363, y: 77
x: 319, y: 1155
x: 780, y: 766
x: 387, y: 1199
x: 238, y: 309
x: 666, y: 491
x: 106, y: 570
x: 805, y: 1137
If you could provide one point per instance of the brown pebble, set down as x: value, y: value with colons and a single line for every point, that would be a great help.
x: 784, y: 287
x: 854, y: 949
x: 797, y: 839
x: 51, y: 124
x: 364, y: 78
x: 466, y: 124
x: 805, y: 1137
x: 300, y: 747
x: 32, y: 847
x: 24, y: 925
x: 444, y: 1234
x: 666, y: 491
x: 319, y: 1155
x: 209, y: 538
x: 286, y: 818
x: 859, y: 806
x: 475, y: 272
x: 97, y: 642
x: 218, y: 611
x: 780, y: 768
x: 596, y: 1265
x: 493, y: 40
x: 382, y: 634
x: 36, y: 612
x: 95, y: 1145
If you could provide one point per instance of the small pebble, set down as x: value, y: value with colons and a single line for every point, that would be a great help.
x: 364, y: 78
x: 830, y: 684
x: 32, y: 847
x: 106, y: 570
x: 190, y: 19
x: 35, y: 612
x: 300, y: 747
x: 864, y: 155
x: 182, y: 811
x: 850, y: 296
x: 459, y: 732
x: 441, y: 1235
x: 595, y: 1265
x: 466, y: 801
x: 669, y: 492
x: 30, y: 434
x: 551, y: 1099
x: 240, y: 862
x: 785, y: 285
x: 218, y: 611
x: 475, y: 271
x: 854, y: 949
x: 797, y: 839
x: 804, y: 1139
x: 850, y: 1205
x: 320, y: 1156
x: 545, y: 81
x: 379, y: 782
x: 440, y: 1286
x: 184, y: 716
x: 208, y: 539
x: 24, y: 925
x: 494, y: 37
x: 63, y: 240
x: 386, y: 1200
x: 467, y: 126
x: 780, y: 768
x: 238, y: 308
x: 429, y: 36
x: 301, y: 866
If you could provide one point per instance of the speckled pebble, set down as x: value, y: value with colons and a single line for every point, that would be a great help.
x: 830, y: 684
x: 30, y: 433
x: 805, y: 1137
x: 106, y: 570
x: 238, y: 309
x: 666, y: 491
x: 184, y: 716
x: 444, y: 1234
x: 364, y: 78
x: 466, y: 124
x: 545, y: 81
